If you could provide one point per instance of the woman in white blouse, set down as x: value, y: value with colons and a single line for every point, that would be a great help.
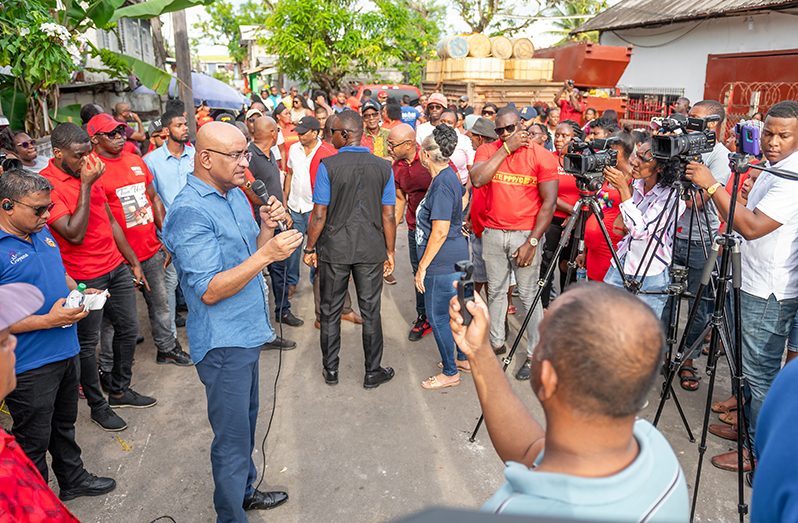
x: 649, y: 195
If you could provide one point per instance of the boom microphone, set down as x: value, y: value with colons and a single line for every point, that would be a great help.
x: 259, y: 188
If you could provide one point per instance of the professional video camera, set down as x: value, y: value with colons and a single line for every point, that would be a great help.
x: 586, y: 162
x: 682, y: 138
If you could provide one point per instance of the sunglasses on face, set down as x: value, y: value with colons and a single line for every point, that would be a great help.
x: 26, y: 145
x: 434, y: 106
x: 113, y: 134
x: 488, y: 113
x: 38, y: 211
x: 509, y: 129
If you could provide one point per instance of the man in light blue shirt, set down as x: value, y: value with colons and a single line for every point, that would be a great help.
x: 220, y: 253
x: 171, y: 163
x: 599, y: 352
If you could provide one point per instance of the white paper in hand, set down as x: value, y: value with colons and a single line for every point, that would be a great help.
x: 95, y: 302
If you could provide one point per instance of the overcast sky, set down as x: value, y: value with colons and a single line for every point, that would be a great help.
x: 454, y: 24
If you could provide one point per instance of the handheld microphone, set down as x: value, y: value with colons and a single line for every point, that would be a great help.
x: 259, y: 188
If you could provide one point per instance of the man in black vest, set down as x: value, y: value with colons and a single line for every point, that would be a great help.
x: 353, y: 222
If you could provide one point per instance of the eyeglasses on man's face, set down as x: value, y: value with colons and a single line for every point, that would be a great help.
x: 235, y: 156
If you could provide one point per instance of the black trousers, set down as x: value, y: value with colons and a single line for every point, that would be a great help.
x: 44, y: 407
x: 333, y: 282
x: 121, y: 310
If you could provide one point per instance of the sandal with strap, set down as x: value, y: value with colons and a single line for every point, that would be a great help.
x: 721, y: 407
x: 432, y: 383
x: 460, y: 367
x: 688, y: 378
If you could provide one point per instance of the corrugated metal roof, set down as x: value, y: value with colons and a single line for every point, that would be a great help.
x: 641, y: 13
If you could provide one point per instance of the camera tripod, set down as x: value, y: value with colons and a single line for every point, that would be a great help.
x: 586, y: 206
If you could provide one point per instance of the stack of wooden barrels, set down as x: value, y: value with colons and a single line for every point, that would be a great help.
x: 479, y: 57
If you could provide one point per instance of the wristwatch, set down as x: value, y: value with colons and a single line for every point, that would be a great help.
x: 309, y: 251
x: 533, y: 241
x: 712, y: 188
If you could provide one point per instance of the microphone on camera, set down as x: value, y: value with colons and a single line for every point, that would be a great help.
x: 259, y: 188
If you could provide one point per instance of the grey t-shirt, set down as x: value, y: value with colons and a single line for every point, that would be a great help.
x: 718, y: 163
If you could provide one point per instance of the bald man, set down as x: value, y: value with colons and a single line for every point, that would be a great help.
x: 124, y: 115
x: 220, y: 253
x: 412, y: 181
x: 600, y: 461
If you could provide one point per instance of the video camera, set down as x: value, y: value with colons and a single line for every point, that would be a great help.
x: 586, y: 162
x: 9, y: 164
x: 682, y: 138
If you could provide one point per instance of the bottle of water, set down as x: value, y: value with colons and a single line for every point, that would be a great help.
x: 75, y: 299
x: 581, y: 274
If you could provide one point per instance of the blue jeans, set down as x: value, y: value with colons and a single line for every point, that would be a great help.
x: 792, y: 341
x: 412, y: 247
x: 766, y: 324
x: 652, y: 283
x: 280, y: 276
x: 439, y: 290
x: 301, y: 224
x: 695, y: 265
x: 230, y: 376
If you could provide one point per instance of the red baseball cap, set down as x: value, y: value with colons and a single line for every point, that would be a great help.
x: 102, y: 123
x: 435, y: 98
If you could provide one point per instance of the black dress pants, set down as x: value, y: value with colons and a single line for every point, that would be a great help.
x: 44, y: 407
x: 333, y: 283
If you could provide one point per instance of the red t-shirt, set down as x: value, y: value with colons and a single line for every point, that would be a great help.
x: 512, y: 199
x: 324, y: 150
x: 125, y: 182
x: 598, y: 256
x: 97, y: 254
x: 478, y: 208
x: 26, y: 497
x: 566, y: 190
x: 413, y: 179
x: 567, y: 111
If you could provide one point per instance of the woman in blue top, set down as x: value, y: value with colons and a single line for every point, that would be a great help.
x: 441, y: 244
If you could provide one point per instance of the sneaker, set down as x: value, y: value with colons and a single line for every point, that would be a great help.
x: 108, y: 420
x: 289, y: 319
x: 421, y: 328
x: 131, y: 398
x: 90, y: 486
x: 175, y: 357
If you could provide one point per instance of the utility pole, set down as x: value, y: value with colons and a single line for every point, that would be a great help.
x: 183, y: 59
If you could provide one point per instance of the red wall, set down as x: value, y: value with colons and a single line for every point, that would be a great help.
x: 767, y: 66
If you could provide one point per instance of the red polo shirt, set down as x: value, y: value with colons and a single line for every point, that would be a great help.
x: 413, y: 179
x: 125, y: 182
x: 26, y: 497
x: 567, y: 111
x: 97, y: 254
x: 324, y: 150
x: 512, y: 200
x: 478, y: 208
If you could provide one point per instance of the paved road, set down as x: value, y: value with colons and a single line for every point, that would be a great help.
x: 344, y: 454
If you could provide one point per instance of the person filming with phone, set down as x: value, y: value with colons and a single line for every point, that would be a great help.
x: 600, y: 463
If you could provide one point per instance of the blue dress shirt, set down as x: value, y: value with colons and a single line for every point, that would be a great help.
x: 169, y: 171
x: 209, y: 233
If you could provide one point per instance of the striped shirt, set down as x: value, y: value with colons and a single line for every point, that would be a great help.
x: 644, y: 219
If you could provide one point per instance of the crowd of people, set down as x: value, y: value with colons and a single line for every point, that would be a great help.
x: 187, y: 223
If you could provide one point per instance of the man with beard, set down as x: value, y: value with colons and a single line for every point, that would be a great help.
x: 94, y: 250
x: 135, y: 204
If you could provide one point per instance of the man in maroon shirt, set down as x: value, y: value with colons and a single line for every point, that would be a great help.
x: 412, y: 181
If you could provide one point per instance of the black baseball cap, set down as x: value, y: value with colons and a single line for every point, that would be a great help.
x: 307, y: 123
x: 370, y: 104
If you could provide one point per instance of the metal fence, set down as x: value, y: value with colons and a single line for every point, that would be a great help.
x: 744, y: 99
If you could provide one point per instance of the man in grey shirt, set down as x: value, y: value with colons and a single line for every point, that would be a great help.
x: 698, y: 238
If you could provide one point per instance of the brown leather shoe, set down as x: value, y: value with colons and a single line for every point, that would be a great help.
x: 353, y: 317
x: 728, y: 461
x: 729, y: 418
x: 728, y: 432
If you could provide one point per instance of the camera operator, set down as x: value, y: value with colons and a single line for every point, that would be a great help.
x: 567, y: 195
x: 597, y: 256
x: 718, y: 163
x: 642, y: 203
x: 769, y: 255
x: 600, y: 463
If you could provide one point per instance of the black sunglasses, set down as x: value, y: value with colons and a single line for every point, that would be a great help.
x: 116, y: 132
x: 506, y: 129
x: 38, y: 211
x: 488, y: 113
x: 26, y: 145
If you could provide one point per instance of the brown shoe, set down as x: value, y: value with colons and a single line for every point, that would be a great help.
x: 390, y: 280
x: 728, y: 432
x: 728, y: 461
x: 729, y: 418
x: 353, y: 317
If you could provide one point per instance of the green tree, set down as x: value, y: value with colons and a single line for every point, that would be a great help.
x: 489, y: 16
x: 574, y: 8
x: 225, y: 20
x: 409, y: 31
x: 322, y: 41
